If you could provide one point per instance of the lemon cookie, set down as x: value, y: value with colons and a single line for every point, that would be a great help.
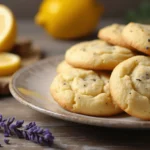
x: 84, y: 92
x: 130, y: 86
x: 63, y: 67
x: 96, y: 55
x: 113, y: 34
x: 138, y: 36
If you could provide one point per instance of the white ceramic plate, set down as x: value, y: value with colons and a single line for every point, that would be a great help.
x: 30, y: 86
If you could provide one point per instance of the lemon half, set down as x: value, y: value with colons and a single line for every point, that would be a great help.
x: 9, y: 63
x: 7, y: 29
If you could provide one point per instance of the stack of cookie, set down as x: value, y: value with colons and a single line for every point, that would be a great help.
x: 105, y: 77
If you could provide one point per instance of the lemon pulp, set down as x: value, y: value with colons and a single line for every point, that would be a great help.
x: 7, y: 29
x: 2, y: 24
x: 9, y: 63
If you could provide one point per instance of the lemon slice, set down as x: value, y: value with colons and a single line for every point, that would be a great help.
x: 7, y: 29
x: 9, y: 63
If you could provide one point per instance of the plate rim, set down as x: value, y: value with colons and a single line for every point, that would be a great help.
x: 103, y: 120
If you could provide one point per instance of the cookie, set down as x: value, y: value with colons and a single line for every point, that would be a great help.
x: 137, y: 36
x: 113, y: 34
x: 85, y: 92
x: 63, y: 67
x: 130, y: 86
x: 96, y: 55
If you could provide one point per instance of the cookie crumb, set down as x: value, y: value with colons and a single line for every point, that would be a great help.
x: 138, y: 79
x: 84, y: 85
x: 148, y: 40
x: 94, y: 79
x: 64, y: 83
x: 147, y: 76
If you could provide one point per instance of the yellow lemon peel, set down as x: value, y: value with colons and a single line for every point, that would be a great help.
x: 68, y: 19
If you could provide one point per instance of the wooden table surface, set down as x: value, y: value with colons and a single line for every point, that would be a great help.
x: 70, y: 136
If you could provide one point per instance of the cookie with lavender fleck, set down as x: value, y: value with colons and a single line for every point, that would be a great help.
x: 130, y: 86
x: 96, y: 55
x: 113, y: 34
x: 137, y: 36
x: 85, y: 92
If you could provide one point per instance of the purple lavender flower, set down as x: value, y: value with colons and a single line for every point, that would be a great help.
x: 6, y: 141
x: 29, y: 132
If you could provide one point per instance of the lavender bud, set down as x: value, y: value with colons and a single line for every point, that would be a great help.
x: 32, y: 137
x: 46, y: 130
x: 25, y: 135
x: 41, y: 140
x: 18, y: 133
x: 40, y: 131
x: 6, y: 141
x: 6, y: 134
x: 12, y: 126
x: 47, y: 136
x: 4, y: 120
x: 35, y: 131
x: 19, y: 123
x: 36, y: 139
x: 30, y: 125
x: 30, y: 131
x: 10, y: 121
x: 34, y: 128
x: 2, y: 124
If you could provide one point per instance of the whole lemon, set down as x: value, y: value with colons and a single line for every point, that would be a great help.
x: 67, y: 19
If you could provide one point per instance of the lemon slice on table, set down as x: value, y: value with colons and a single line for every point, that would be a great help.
x: 7, y: 29
x: 9, y: 63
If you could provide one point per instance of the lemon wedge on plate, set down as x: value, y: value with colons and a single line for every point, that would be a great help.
x: 7, y: 29
x: 9, y: 63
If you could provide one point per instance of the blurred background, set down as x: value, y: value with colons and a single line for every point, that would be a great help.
x: 73, y: 19
x: 26, y: 9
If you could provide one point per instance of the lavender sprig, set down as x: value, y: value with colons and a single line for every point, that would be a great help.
x: 6, y: 141
x: 30, y: 132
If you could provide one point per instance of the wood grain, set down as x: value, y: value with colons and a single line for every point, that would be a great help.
x: 68, y: 136
x: 71, y: 135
